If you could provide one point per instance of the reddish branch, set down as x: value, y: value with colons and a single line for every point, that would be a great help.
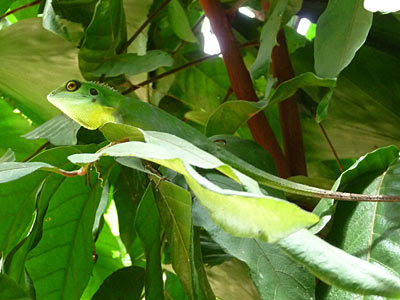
x: 20, y: 8
x: 288, y: 110
x: 241, y: 83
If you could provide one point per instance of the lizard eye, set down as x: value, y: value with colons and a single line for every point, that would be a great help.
x: 93, y: 92
x: 72, y: 85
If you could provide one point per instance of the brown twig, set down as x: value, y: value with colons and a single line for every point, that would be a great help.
x: 40, y: 149
x: 288, y: 111
x: 20, y: 8
x: 241, y: 82
x: 330, y: 145
x: 144, y: 25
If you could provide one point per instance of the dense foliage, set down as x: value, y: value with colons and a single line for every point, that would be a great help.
x: 156, y: 217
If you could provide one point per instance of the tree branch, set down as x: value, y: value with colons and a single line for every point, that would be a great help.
x: 241, y: 82
x: 288, y: 110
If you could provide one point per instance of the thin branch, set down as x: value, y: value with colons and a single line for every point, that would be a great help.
x: 144, y: 25
x: 40, y: 149
x: 330, y: 146
x: 20, y: 8
x: 180, y: 68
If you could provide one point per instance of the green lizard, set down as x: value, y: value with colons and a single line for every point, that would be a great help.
x: 92, y: 105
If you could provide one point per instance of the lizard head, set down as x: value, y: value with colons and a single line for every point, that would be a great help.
x: 85, y: 103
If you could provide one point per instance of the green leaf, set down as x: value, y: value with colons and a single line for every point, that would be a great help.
x: 341, y: 31
x: 179, y: 22
x: 61, y: 263
x: 323, y: 106
x: 12, y: 125
x: 10, y: 290
x: 147, y: 224
x: 18, y: 200
x: 337, y: 268
x: 132, y: 64
x: 233, y: 211
x: 368, y: 230
x: 28, y: 12
x: 229, y: 116
x: 136, y: 12
x: 27, y: 81
x: 129, y: 189
x: 173, y: 287
x: 126, y: 283
x: 10, y: 171
x: 268, y: 39
x: 104, y: 36
x: 79, y: 11
x: 235, y: 274
x: 59, y: 131
x: 273, y: 272
x: 374, y: 163
x: 5, y: 5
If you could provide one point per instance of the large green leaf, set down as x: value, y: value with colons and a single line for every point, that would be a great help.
x: 247, y: 214
x: 79, y: 11
x: 61, y: 263
x: 174, y: 204
x: 374, y: 164
x: 147, y: 224
x: 129, y: 188
x: 275, y: 275
x: 179, y: 22
x: 338, y: 268
x: 33, y: 67
x: 368, y: 230
x: 132, y: 64
x: 341, y: 31
x: 15, y: 262
x: 229, y: 116
x: 104, y: 36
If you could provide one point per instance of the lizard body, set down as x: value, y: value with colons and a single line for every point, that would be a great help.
x: 92, y: 105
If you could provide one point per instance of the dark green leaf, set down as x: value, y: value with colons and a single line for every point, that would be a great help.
x: 341, y: 31
x: 132, y: 64
x: 124, y: 284
x: 79, y: 11
x: 104, y: 36
x: 4, y: 5
x: 129, y: 189
x: 9, y: 290
x: 147, y: 224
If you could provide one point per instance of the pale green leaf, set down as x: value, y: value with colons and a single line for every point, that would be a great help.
x: 341, y: 30
x: 133, y: 64
x: 179, y: 22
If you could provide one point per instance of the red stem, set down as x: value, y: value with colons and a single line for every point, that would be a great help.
x: 241, y: 83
